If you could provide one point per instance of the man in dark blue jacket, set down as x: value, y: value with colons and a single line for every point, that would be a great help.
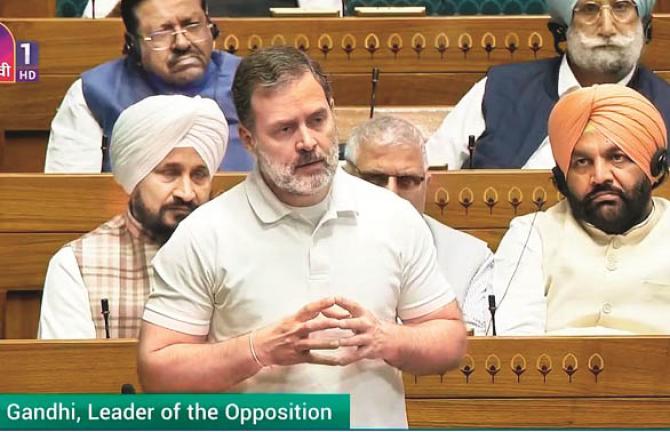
x: 508, y: 110
x: 169, y: 49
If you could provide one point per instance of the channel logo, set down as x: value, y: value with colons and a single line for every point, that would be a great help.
x: 19, y: 60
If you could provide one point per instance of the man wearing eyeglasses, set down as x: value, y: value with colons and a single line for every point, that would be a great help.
x: 169, y: 47
x: 390, y: 152
x: 508, y: 110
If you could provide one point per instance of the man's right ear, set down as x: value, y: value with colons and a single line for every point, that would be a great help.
x: 247, y: 140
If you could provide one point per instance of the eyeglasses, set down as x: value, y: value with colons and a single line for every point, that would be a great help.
x: 623, y: 11
x: 405, y: 182
x: 161, y: 40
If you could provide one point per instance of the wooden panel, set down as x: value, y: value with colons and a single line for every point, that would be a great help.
x: 23, y: 312
x: 67, y: 203
x: 491, y: 198
x: 24, y: 151
x: 74, y: 367
x: 24, y: 258
x: 632, y: 366
x: 32, y: 106
x: 27, y: 8
x: 427, y: 119
x: 627, y: 368
x: 559, y: 412
x: 662, y: 6
x: 425, y: 88
x: 3, y: 312
x: 483, y: 199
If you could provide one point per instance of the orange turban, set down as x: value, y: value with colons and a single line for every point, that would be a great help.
x: 619, y: 113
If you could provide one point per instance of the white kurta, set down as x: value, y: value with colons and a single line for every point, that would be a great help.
x: 557, y: 275
x: 65, y: 295
x: 467, y: 263
x: 244, y: 261
x: 449, y: 144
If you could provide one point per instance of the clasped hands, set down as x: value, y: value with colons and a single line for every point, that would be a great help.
x: 295, y: 339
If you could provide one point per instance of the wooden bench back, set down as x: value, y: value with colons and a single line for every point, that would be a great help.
x: 424, y: 61
x: 502, y: 382
x: 41, y: 213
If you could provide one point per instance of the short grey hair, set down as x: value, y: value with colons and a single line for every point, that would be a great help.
x: 384, y: 131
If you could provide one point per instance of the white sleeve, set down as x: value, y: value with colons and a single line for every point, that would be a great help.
x: 75, y: 142
x: 66, y: 312
x: 183, y: 281
x: 475, y: 304
x: 449, y: 144
x: 102, y: 8
x: 424, y: 287
x: 518, y: 281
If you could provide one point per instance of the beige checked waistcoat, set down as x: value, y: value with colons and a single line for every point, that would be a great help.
x: 115, y: 263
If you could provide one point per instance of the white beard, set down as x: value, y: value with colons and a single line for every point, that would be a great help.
x: 617, y: 55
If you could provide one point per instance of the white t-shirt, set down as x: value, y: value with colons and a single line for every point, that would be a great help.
x: 244, y: 261
x: 449, y: 144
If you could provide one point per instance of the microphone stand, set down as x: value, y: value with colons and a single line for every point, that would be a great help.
x: 472, y: 143
x: 492, y: 310
x: 93, y: 8
x: 373, y: 95
x: 105, y: 315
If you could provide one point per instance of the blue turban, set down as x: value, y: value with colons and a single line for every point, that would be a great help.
x: 561, y: 10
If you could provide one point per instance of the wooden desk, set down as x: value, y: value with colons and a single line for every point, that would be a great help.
x: 506, y: 385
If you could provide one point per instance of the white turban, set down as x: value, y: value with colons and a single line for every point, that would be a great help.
x: 561, y: 10
x: 146, y: 132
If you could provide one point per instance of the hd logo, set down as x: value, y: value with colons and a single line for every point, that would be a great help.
x: 19, y: 60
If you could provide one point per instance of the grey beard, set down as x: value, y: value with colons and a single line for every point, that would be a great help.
x: 618, y: 60
x: 284, y: 178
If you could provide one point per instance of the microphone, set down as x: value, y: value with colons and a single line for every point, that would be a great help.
x: 373, y: 95
x: 105, y: 315
x: 128, y: 389
x: 492, y: 310
x: 472, y: 144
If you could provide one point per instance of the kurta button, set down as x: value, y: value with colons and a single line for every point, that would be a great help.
x: 607, y: 308
x: 611, y: 263
x: 616, y: 243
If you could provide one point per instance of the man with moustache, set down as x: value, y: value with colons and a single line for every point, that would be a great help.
x: 169, y: 49
x: 300, y: 269
x: 508, y: 110
x: 592, y: 264
x: 390, y: 152
x: 165, y: 152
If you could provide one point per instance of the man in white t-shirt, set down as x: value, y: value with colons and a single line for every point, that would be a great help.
x: 300, y: 269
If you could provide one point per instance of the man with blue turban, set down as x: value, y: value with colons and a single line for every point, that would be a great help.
x: 508, y: 110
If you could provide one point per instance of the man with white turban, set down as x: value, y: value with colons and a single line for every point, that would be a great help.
x: 591, y: 264
x: 165, y: 152
x: 507, y: 111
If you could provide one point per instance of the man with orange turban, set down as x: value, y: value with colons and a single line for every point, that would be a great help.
x: 590, y: 264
